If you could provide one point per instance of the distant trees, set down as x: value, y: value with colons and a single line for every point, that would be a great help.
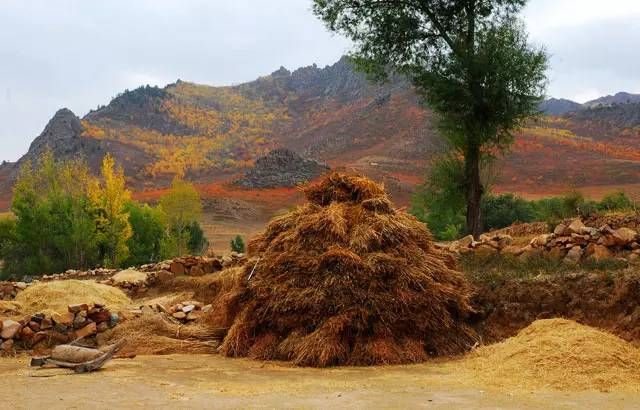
x: 65, y: 218
x: 470, y: 60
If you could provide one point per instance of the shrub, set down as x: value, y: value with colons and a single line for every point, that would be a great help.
x: 237, y: 244
x: 616, y: 201
x: 149, y: 232
x: 500, y: 211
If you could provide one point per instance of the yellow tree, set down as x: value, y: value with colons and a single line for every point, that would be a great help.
x: 109, y: 198
x: 182, y: 207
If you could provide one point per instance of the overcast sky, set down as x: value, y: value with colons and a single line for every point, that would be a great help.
x: 80, y: 53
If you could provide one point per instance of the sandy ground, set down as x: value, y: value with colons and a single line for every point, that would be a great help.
x: 195, y: 382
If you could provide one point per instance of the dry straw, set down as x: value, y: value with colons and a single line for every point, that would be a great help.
x: 345, y: 279
x: 555, y: 354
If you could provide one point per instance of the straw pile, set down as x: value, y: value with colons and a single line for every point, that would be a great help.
x: 557, y: 354
x: 345, y: 280
x: 56, y: 296
x: 153, y: 334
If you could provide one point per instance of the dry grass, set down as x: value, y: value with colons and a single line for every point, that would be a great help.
x: 57, y: 295
x: 344, y: 279
x: 556, y: 354
x: 154, y: 334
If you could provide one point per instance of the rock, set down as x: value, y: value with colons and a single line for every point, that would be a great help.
x: 88, y: 330
x: 21, y: 285
x: 573, y: 256
x: 207, y: 308
x: 281, y: 168
x: 195, y: 315
x: 7, y: 346
x: 100, y: 316
x: 26, y: 333
x: 78, y: 308
x: 556, y: 254
x: 177, y: 268
x: 196, y: 271
x: 188, y: 308
x: 46, y: 324
x: 624, y: 236
x: 598, y: 252
x: 63, y: 318
x: 541, y: 240
x: 465, y: 242
x: 10, y: 329
x: 179, y: 315
x: 35, y: 326
x: 102, y: 327
x: 485, y: 251
x: 560, y: 229
x: 576, y: 226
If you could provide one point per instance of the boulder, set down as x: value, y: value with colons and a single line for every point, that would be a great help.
x: 177, y: 268
x: 574, y: 255
x: 10, y: 329
x: 78, y: 308
x: 88, y: 330
x: 560, y: 229
x: 597, y: 252
x: 65, y: 319
x: 576, y: 226
x: 624, y: 236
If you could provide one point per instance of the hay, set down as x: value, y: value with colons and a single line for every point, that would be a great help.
x: 557, y: 354
x: 57, y: 295
x: 345, y: 279
x: 154, y: 334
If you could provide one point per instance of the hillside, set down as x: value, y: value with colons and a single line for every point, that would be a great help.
x: 333, y: 115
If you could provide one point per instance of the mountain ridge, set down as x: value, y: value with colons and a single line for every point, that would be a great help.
x: 213, y: 135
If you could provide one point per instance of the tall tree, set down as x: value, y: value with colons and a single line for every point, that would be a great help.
x: 182, y: 207
x: 109, y: 198
x: 469, y: 59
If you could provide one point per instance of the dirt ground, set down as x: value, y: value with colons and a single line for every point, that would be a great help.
x: 194, y: 382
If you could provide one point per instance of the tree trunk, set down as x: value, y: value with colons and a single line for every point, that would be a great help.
x: 474, y: 190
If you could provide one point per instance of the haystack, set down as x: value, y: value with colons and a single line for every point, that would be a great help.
x: 345, y: 279
x: 556, y: 354
x: 56, y: 296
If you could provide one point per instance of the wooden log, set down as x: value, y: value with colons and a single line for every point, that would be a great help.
x: 74, y: 354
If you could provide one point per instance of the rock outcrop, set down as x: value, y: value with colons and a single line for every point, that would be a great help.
x: 281, y: 168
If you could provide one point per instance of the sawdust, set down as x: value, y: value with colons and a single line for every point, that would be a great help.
x: 556, y: 354
x: 56, y: 296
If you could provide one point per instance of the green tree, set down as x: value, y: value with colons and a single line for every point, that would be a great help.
x: 197, y: 243
x: 149, y: 233
x: 109, y: 198
x: 237, y: 244
x: 182, y: 207
x: 469, y: 59
x: 54, y: 227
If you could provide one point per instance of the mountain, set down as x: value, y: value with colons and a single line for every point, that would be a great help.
x: 559, y: 106
x: 333, y: 116
x: 618, y: 98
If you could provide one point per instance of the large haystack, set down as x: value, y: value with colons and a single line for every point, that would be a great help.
x: 346, y: 279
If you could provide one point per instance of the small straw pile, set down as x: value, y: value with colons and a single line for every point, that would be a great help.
x: 345, y: 280
x: 56, y: 296
x: 556, y: 354
x: 153, y: 334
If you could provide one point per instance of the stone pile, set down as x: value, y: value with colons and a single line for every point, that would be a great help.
x: 78, y: 274
x: 82, y: 321
x: 183, y: 312
x: 9, y: 290
x: 198, y: 265
x: 572, y: 242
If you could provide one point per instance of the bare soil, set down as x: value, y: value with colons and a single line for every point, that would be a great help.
x: 203, y: 381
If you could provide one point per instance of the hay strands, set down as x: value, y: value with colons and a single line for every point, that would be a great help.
x: 254, y: 269
x: 81, y: 367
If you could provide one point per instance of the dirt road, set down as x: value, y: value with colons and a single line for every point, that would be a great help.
x: 194, y: 382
